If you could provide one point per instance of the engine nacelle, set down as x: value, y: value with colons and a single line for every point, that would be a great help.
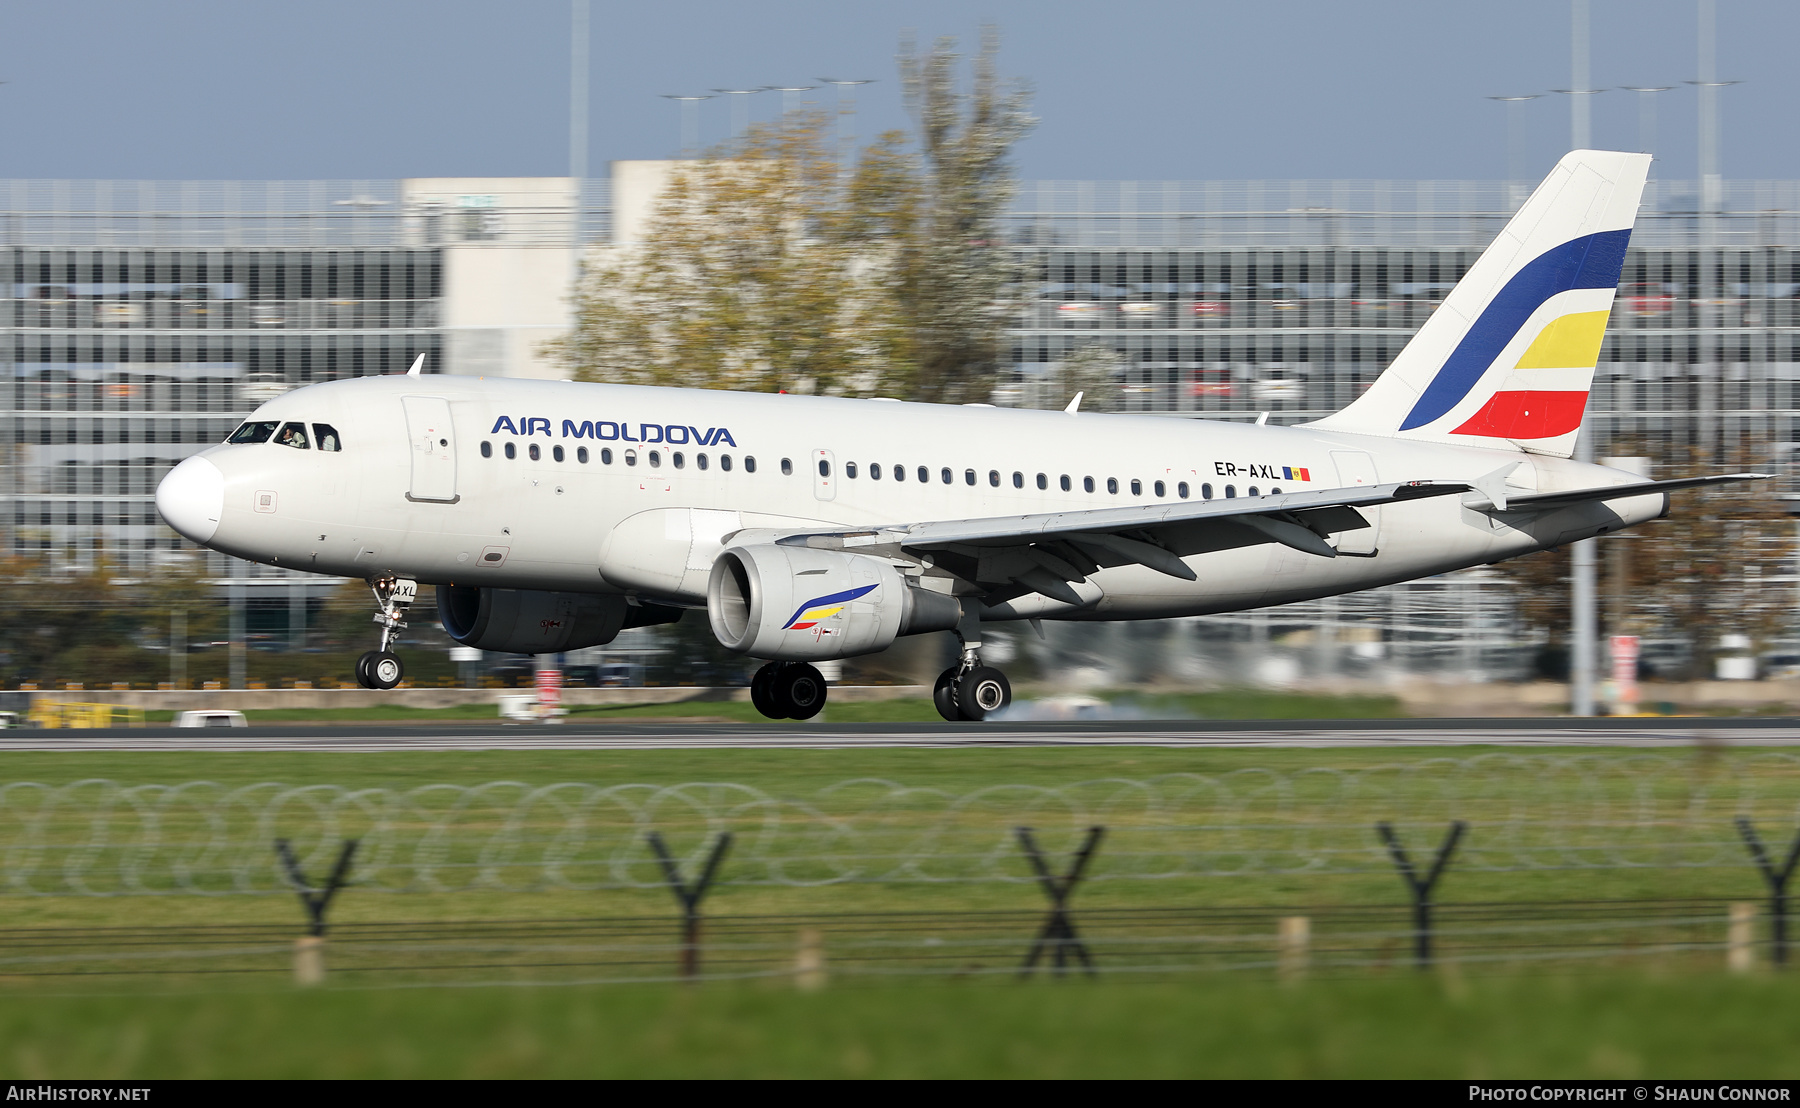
x: 524, y: 621
x: 795, y: 603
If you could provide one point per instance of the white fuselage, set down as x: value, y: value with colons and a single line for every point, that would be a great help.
x: 412, y: 493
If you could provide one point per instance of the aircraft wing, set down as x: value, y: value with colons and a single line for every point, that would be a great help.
x: 1542, y: 501
x: 1043, y: 553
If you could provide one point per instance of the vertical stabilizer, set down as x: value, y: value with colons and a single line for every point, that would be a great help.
x: 1508, y: 358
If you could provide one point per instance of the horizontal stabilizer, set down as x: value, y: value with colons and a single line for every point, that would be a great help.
x: 1542, y: 501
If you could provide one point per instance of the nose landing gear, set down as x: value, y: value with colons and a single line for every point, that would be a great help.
x: 788, y: 690
x: 381, y: 668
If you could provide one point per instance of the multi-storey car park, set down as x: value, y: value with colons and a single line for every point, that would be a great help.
x: 139, y: 321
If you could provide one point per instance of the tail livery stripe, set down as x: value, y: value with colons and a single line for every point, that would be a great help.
x: 821, y: 608
x: 1527, y: 414
x: 1589, y: 262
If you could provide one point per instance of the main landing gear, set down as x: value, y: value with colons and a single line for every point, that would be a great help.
x: 970, y: 691
x: 788, y: 690
x: 381, y: 668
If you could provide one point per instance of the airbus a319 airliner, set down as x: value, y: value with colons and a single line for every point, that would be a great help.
x: 552, y: 515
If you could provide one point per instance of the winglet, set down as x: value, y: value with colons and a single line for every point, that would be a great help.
x: 418, y: 364
x: 1074, y: 404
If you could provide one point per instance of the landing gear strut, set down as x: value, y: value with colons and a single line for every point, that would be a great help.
x: 381, y: 668
x: 788, y: 690
x: 969, y: 690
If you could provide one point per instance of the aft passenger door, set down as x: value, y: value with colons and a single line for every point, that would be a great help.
x: 1356, y: 467
x: 433, y: 447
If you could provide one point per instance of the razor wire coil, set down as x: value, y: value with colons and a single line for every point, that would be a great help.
x: 101, y: 838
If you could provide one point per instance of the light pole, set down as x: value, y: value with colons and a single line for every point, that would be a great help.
x: 1712, y: 199
x: 1515, y: 137
x: 578, y: 138
x: 846, y: 119
x: 1647, y: 116
x: 788, y: 93
x: 690, y: 121
x: 740, y: 108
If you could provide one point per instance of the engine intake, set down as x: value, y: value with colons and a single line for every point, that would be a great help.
x: 795, y: 603
x: 525, y: 621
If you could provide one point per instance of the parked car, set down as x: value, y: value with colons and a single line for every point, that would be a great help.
x: 211, y: 717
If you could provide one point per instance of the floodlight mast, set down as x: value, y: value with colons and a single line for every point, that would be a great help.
x: 846, y: 119
x: 690, y: 122
x: 740, y: 108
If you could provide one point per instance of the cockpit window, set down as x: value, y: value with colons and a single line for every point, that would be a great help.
x: 253, y: 432
x: 327, y: 437
x: 294, y: 435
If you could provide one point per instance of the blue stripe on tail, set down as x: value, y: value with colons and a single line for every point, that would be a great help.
x: 1590, y: 262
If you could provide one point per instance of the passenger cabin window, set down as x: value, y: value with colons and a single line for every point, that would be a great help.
x: 557, y: 453
x: 327, y: 437
x: 656, y: 459
x: 701, y: 461
x: 606, y: 455
x: 1087, y: 483
x: 1112, y: 485
x: 899, y: 472
x: 679, y: 459
x: 631, y: 457
x: 1137, y: 487
x: 968, y: 477
x: 994, y: 478
x: 253, y: 433
x: 950, y: 478
x: 725, y: 464
x: 1206, y: 491
x: 1065, y: 482
x: 581, y: 454
x: 1161, y: 490
x: 749, y: 462
x: 511, y: 450
x: 824, y: 468
x: 1251, y: 491
x: 1043, y: 481
x: 1018, y: 480
x: 1230, y: 492
x: 1181, y: 490
x: 874, y: 471
x: 924, y: 475
x: 534, y: 452
x: 487, y: 450
x: 787, y: 467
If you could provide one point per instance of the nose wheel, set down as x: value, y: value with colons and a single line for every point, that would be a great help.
x: 788, y: 690
x: 381, y: 668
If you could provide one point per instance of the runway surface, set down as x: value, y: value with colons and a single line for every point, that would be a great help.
x: 648, y: 735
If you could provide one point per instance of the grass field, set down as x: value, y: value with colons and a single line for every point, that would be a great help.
x: 1404, y: 1026
x: 1219, y: 704
x: 1630, y: 1016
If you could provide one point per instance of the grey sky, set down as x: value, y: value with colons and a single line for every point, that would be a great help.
x: 1128, y: 89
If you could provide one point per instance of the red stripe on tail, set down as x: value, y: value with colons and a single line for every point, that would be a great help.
x: 1527, y: 415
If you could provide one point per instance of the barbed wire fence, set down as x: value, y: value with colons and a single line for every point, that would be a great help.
x: 103, y: 838
x: 1651, y: 817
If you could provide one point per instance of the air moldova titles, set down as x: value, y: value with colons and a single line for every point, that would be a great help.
x: 676, y: 434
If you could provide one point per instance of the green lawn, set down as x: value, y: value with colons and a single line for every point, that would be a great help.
x: 1401, y: 1026
x: 1220, y: 704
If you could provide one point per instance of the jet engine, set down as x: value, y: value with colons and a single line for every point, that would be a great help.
x: 795, y: 603
x: 525, y: 621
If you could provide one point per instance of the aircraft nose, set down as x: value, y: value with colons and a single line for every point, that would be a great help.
x: 192, y: 498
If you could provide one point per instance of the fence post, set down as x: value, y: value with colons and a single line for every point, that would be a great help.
x: 1740, y: 938
x: 1293, y: 951
x: 1058, y: 933
x: 1777, y: 879
x: 309, y: 950
x: 809, y: 962
x: 690, y: 896
x: 1421, y: 887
